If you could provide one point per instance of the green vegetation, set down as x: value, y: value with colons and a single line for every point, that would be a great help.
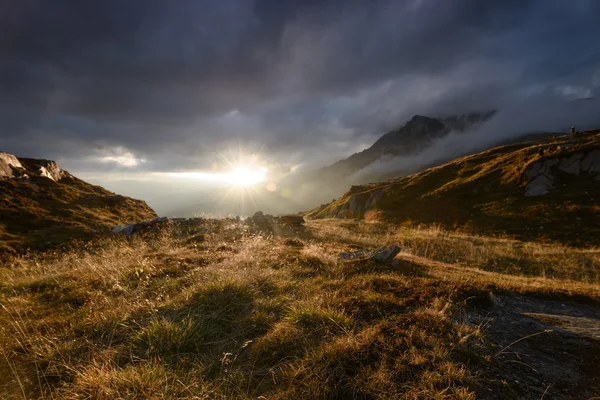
x: 216, y: 312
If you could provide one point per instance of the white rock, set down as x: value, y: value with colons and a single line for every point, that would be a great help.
x: 6, y: 162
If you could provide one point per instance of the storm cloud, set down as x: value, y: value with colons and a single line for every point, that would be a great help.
x: 150, y: 85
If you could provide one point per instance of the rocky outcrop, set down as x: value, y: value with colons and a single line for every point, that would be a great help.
x: 540, y: 175
x: 29, y: 167
x: 357, y: 204
x: 51, y: 170
x: 44, y: 168
x: 7, y: 162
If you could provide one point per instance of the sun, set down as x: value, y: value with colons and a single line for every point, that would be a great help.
x: 238, y: 170
x: 244, y: 176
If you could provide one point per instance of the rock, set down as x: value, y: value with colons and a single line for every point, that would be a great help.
x: 50, y: 170
x: 269, y: 223
x: 591, y: 162
x: 354, y: 255
x: 357, y: 204
x: 539, y: 175
x: 7, y: 162
x: 383, y: 254
x: 539, y: 186
x: 571, y: 165
x: 128, y: 230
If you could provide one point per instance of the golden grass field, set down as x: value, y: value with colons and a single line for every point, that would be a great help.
x: 218, y: 312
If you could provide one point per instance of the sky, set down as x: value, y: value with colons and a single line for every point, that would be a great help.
x: 134, y: 90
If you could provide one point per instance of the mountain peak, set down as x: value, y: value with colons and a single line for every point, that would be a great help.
x: 420, y: 119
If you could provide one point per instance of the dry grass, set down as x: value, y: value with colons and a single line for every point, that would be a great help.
x: 501, y: 255
x: 221, y: 313
x: 484, y: 193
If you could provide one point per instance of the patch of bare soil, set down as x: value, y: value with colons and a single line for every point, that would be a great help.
x: 544, y: 349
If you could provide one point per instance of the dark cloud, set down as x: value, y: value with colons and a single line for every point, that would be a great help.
x: 171, y: 83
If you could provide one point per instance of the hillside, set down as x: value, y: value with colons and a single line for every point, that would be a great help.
x: 509, y: 190
x: 42, y: 205
x: 415, y: 136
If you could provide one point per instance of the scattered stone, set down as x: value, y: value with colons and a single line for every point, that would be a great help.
x: 354, y: 255
x: 129, y: 229
x: 260, y: 221
x: 383, y: 254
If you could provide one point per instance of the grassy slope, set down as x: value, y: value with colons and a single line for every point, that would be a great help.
x: 216, y: 312
x: 485, y: 193
x: 43, y: 213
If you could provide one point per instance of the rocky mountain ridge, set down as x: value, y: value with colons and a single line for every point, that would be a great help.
x: 415, y: 135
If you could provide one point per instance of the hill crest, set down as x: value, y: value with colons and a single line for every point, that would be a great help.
x: 43, y: 205
x: 509, y: 190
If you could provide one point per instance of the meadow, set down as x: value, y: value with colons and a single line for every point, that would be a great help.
x: 220, y: 311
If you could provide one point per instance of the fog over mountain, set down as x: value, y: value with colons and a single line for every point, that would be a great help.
x: 127, y: 95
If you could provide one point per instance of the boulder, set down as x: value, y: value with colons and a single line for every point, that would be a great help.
x: 128, y: 230
x: 354, y: 255
x: 540, y: 178
x: 7, y: 162
x: 384, y: 254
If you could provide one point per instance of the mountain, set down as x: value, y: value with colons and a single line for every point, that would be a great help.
x: 42, y: 205
x: 509, y: 190
x: 414, y: 136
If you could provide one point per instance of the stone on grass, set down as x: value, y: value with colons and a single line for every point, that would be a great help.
x: 383, y: 254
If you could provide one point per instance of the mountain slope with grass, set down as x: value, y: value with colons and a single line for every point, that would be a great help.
x: 215, y: 311
x: 513, y: 190
x: 42, y: 206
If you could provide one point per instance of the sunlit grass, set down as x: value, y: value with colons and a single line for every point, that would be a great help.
x: 219, y: 312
